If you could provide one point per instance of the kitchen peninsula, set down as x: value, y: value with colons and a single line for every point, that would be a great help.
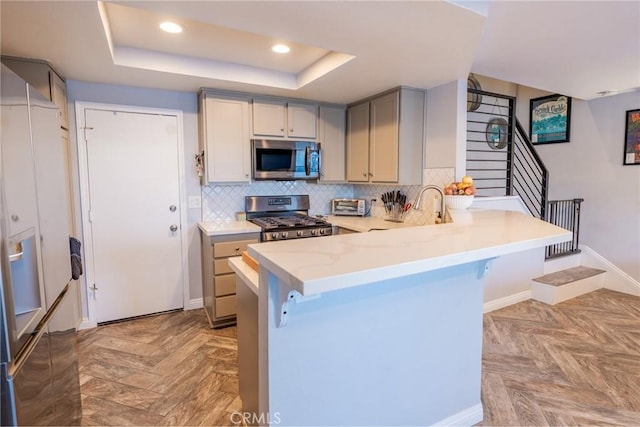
x: 379, y: 328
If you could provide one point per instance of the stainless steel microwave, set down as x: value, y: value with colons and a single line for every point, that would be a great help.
x: 285, y: 160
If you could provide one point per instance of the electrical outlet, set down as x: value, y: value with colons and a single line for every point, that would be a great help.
x: 195, y: 202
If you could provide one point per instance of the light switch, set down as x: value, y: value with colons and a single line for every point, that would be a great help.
x: 195, y: 202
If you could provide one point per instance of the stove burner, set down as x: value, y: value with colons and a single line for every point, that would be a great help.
x: 293, y: 221
x: 284, y: 217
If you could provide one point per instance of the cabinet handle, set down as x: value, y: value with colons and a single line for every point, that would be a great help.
x: 370, y: 174
x: 364, y: 174
x: 237, y: 249
x: 281, y: 129
x: 173, y: 228
x: 15, y: 218
x: 291, y: 130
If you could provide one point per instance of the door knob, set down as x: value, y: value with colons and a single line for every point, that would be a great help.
x: 172, y: 208
x: 173, y: 228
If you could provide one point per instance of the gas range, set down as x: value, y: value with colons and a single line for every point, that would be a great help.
x: 284, y: 217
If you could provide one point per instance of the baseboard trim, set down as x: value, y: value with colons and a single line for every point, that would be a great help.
x: 506, y: 301
x: 85, y: 324
x: 195, y: 304
x: 467, y: 417
x: 617, y: 280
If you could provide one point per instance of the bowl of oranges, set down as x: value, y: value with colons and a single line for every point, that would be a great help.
x: 460, y: 195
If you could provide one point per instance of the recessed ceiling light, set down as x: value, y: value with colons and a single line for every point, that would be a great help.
x: 607, y: 92
x: 280, y: 48
x: 170, y: 27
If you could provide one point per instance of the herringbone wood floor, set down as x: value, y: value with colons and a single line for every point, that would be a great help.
x: 576, y: 363
x: 170, y: 369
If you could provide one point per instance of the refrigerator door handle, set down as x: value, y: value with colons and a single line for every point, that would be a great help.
x: 17, y: 253
x: 16, y: 257
x: 33, y: 340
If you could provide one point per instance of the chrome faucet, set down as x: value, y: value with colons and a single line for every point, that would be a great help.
x: 416, y: 205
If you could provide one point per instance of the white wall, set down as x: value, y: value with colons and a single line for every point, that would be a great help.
x: 590, y: 167
x: 124, y: 95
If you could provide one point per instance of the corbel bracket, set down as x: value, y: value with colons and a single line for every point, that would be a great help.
x: 286, y: 299
x: 485, y: 264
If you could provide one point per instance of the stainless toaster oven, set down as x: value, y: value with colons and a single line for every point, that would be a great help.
x: 351, y: 207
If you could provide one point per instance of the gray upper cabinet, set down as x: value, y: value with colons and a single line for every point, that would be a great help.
x: 42, y: 76
x: 385, y: 138
x: 358, y: 143
x: 301, y: 120
x: 284, y: 119
x: 331, y: 135
x: 224, y: 136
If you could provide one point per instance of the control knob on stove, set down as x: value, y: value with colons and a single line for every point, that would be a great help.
x: 322, y: 231
x: 314, y: 232
x: 274, y: 235
x: 284, y: 234
x: 299, y: 233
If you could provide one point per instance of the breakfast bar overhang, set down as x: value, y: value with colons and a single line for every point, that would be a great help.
x: 385, y: 327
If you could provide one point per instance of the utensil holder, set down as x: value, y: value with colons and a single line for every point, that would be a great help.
x: 396, y: 214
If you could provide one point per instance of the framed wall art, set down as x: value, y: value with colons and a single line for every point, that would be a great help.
x: 632, y: 138
x: 550, y: 119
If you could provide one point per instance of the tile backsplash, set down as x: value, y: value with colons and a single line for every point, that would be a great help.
x: 221, y: 202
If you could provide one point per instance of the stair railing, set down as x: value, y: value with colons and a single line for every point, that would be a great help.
x: 565, y: 214
x: 530, y: 177
x: 500, y: 156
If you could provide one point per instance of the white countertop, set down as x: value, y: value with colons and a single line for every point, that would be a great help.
x: 247, y: 274
x: 364, y: 224
x: 221, y: 228
x: 342, y: 261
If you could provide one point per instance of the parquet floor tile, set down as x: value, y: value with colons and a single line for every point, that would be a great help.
x: 573, y: 364
x: 170, y: 369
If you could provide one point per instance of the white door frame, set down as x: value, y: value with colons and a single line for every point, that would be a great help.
x: 87, y: 236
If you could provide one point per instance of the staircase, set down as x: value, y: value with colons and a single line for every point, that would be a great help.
x: 577, y: 274
x: 504, y: 162
x: 565, y: 284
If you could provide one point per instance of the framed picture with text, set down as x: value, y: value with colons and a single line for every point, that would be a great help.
x: 550, y: 119
x: 632, y: 138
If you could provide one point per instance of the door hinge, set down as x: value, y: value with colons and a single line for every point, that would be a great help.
x: 86, y: 128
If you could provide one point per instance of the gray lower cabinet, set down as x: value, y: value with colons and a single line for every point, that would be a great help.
x: 218, y: 280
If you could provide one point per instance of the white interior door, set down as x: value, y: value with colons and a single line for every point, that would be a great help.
x: 134, y: 212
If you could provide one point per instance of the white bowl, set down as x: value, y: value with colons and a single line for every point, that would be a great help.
x: 458, y: 201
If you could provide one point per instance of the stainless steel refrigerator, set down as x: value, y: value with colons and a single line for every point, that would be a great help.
x: 38, y: 303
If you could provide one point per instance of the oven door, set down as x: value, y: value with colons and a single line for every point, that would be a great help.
x: 285, y: 160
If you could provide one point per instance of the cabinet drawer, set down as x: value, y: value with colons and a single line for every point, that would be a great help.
x: 224, y: 249
x: 221, y: 266
x: 226, y: 306
x: 225, y: 285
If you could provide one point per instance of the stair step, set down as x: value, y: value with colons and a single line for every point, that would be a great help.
x: 568, y: 275
x: 565, y: 284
